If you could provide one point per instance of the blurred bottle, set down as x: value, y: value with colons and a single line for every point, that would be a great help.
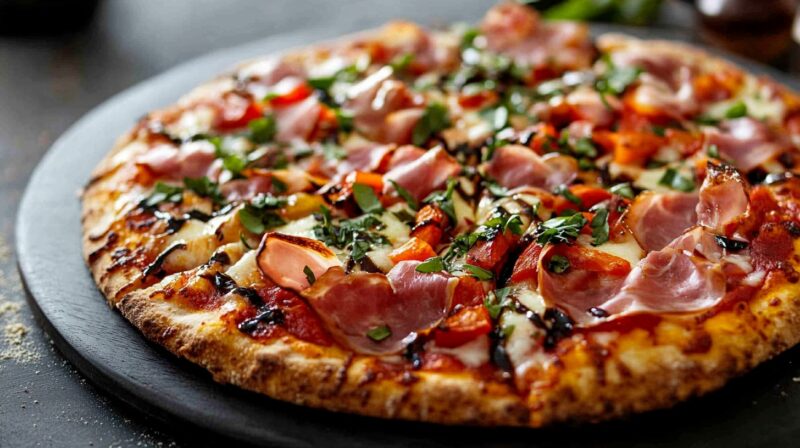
x: 25, y: 17
x: 758, y: 29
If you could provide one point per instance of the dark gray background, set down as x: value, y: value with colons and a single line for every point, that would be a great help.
x: 47, y: 83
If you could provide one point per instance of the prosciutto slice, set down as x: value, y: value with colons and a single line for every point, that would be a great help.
x: 658, y: 218
x: 284, y: 258
x: 403, y: 302
x: 593, y: 277
x: 516, y: 31
x: 723, y: 199
x: 384, y: 109
x: 297, y: 121
x: 669, y: 281
x: 747, y: 142
x: 192, y: 159
x: 425, y: 174
x: 515, y: 166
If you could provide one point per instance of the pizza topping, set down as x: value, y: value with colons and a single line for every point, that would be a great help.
x: 515, y: 166
x: 723, y: 199
x: 287, y: 260
x: 192, y: 159
x: 669, y: 281
x: 578, y: 279
x: 749, y: 143
x: 376, y: 313
x: 658, y: 218
x: 423, y: 175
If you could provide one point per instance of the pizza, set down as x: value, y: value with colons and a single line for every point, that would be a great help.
x: 509, y: 224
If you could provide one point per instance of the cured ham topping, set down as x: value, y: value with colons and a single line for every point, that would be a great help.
x: 723, y: 199
x: 669, y: 281
x: 297, y: 121
x: 516, y: 31
x: 747, y: 142
x: 375, y: 313
x: 516, y: 166
x: 424, y: 175
x: 658, y: 218
x: 193, y: 159
x: 292, y: 262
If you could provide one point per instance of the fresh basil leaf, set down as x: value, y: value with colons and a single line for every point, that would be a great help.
x: 434, y: 119
x: 497, y: 117
x: 563, y: 190
x: 496, y: 300
x: 444, y: 199
x: 713, y: 151
x: 562, y: 229
x: 344, y: 119
x: 737, y: 110
x: 431, y: 265
x: 309, y: 275
x: 624, y: 189
x: 163, y: 193
x: 250, y: 221
x: 205, y: 187
x: 558, y: 264
x: 401, y: 62
x: 406, y: 195
x: 496, y: 189
x: 262, y: 130
x: 379, y: 333
x: 584, y: 147
x: 676, y: 181
x: 478, y: 272
x: 366, y: 199
x: 333, y: 152
x: 599, y: 226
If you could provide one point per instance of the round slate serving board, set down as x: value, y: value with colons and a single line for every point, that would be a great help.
x: 762, y: 408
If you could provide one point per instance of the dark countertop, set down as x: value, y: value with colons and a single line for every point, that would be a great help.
x: 46, y: 84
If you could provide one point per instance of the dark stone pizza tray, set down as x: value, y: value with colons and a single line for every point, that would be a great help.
x: 760, y: 409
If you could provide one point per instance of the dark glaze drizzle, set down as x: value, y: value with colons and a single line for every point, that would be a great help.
x: 154, y: 268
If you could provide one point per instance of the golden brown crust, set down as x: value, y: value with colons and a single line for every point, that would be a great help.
x: 590, y: 377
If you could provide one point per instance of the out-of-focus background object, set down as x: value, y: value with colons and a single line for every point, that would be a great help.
x: 758, y: 29
x: 31, y: 17
x: 629, y: 12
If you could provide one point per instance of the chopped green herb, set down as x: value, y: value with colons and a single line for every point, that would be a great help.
x: 478, y: 272
x: 625, y: 190
x: 262, y: 130
x: 562, y: 229
x: 403, y: 193
x: 585, y: 147
x: 738, y: 110
x: 434, y: 119
x: 205, y: 187
x: 469, y: 37
x: 163, y: 193
x: 444, y: 199
x: 676, y: 181
x: 659, y: 130
x: 366, y: 199
x: 355, y: 234
x: 332, y: 151
x: 401, y: 62
x: 558, y: 264
x: 599, y: 226
x: 259, y: 215
x: 279, y: 185
x: 433, y: 264
x: 379, y: 333
x: 713, y: 151
x: 616, y: 80
x: 309, y: 275
x: 496, y: 116
x: 563, y: 190
x: 344, y: 119
x: 496, y: 189
x: 497, y: 300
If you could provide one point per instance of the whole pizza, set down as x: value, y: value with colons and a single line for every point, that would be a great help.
x: 508, y: 224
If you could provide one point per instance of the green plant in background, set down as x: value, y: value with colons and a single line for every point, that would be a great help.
x: 631, y: 12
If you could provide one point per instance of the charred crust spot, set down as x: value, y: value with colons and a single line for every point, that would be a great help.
x: 111, y: 240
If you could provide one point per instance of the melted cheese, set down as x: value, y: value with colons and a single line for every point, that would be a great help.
x: 244, y: 272
x: 627, y: 248
x: 395, y: 230
x: 302, y: 227
x: 198, y: 120
x: 521, y: 343
x: 474, y: 353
